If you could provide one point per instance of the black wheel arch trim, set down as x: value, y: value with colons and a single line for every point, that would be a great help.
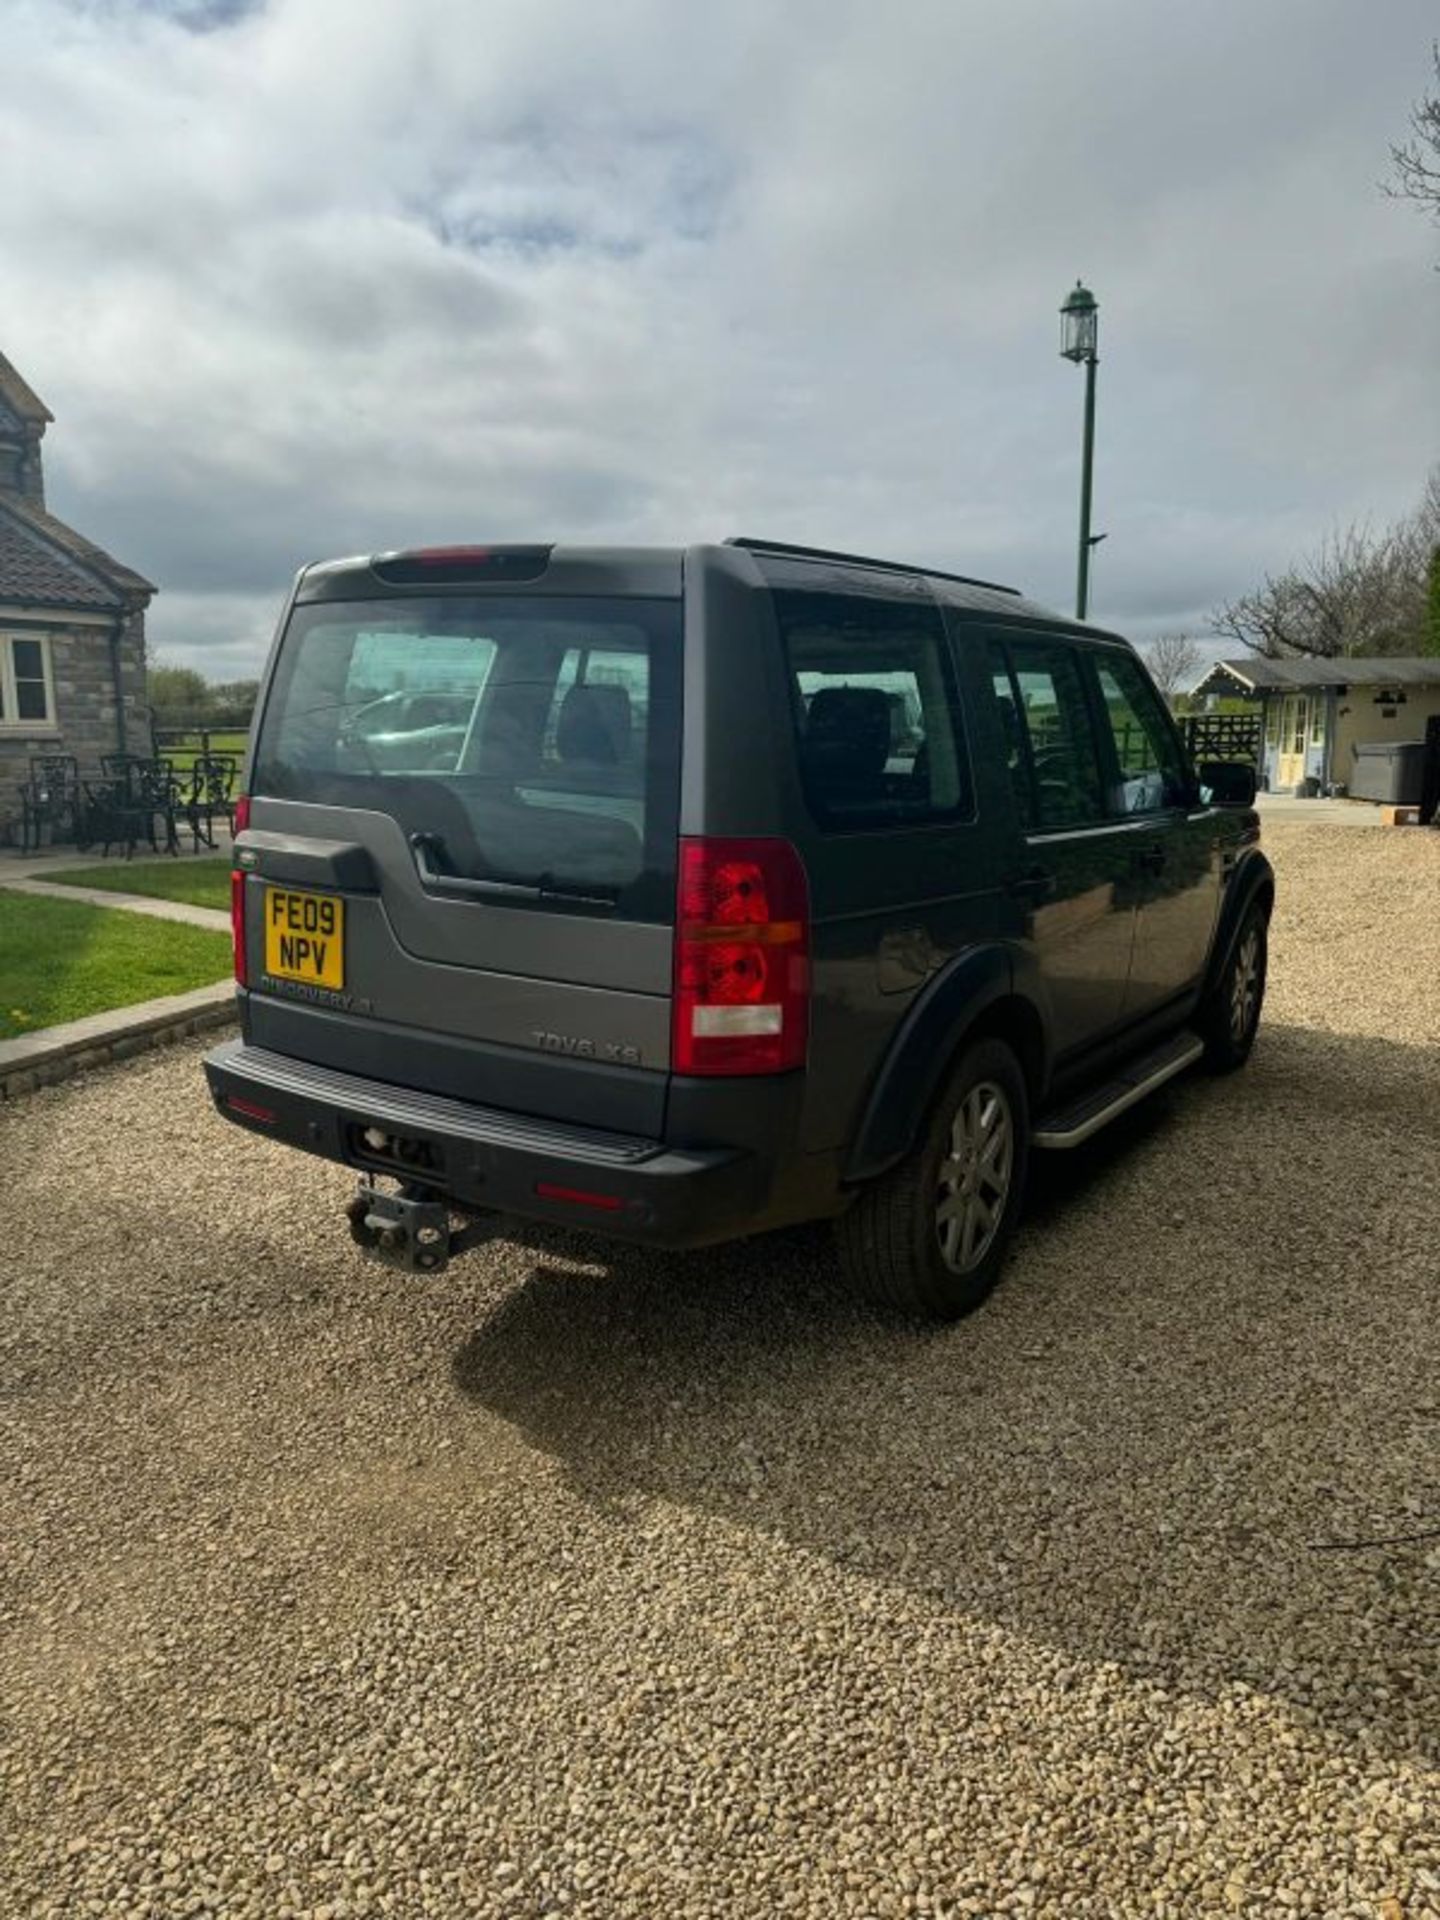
x: 1253, y: 875
x: 947, y: 1008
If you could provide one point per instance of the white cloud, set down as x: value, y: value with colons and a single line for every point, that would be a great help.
x: 307, y: 278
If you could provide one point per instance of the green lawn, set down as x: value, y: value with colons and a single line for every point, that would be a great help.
x: 203, y: 882
x: 182, y: 755
x: 60, y: 960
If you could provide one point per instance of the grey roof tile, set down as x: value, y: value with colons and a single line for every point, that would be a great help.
x: 45, y: 562
x: 1407, y: 670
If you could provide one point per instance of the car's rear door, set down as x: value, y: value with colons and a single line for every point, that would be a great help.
x: 462, y: 837
x: 1076, y: 876
x: 1176, y: 855
x: 904, y: 873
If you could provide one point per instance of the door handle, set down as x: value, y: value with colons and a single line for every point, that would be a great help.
x: 1151, y: 859
x: 1036, y: 883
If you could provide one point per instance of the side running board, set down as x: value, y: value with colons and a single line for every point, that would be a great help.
x: 1069, y: 1126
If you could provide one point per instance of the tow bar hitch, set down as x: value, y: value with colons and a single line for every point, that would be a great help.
x: 410, y: 1231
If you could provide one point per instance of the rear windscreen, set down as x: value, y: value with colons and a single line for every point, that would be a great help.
x: 533, y: 741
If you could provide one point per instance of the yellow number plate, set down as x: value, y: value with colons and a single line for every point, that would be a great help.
x: 305, y: 937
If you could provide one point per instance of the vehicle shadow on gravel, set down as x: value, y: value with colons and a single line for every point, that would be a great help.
x: 1213, y: 1359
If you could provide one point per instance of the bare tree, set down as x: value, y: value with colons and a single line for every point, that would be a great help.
x: 1416, y: 161
x: 1173, y: 659
x: 1361, y: 592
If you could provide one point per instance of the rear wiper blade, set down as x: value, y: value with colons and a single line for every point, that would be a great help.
x: 546, y: 888
x: 552, y: 889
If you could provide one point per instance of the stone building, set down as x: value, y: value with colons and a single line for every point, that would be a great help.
x: 72, y: 620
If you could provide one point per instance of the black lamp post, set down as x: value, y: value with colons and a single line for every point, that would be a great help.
x: 1079, y: 335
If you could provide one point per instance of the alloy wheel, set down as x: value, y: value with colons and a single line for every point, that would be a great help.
x: 974, y: 1177
x: 1245, y: 985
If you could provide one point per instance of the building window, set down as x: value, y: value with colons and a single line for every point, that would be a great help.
x: 27, y: 689
x: 27, y: 696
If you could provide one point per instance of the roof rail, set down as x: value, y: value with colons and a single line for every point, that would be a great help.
x: 862, y: 560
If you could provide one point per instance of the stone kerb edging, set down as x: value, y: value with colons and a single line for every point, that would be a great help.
x: 53, y: 1054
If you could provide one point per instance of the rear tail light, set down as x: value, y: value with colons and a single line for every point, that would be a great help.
x: 742, y: 958
x: 237, y: 896
x: 237, y: 924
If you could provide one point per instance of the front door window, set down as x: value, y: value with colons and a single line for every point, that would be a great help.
x: 1052, y: 715
x: 1151, y: 768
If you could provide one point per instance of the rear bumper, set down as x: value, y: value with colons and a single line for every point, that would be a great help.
x: 638, y: 1190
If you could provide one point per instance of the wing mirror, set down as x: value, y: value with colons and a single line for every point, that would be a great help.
x: 1227, y: 783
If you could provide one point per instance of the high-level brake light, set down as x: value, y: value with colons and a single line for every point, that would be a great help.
x: 486, y: 566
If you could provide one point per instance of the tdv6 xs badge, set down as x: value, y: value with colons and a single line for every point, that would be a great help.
x: 568, y: 1043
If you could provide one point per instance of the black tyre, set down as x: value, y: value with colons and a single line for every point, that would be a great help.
x: 929, y: 1237
x: 1232, y: 1009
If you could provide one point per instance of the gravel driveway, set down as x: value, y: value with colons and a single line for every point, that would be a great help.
x: 682, y: 1587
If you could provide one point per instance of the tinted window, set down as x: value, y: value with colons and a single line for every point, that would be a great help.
x: 1012, y: 733
x: 536, y: 739
x: 875, y: 711
x: 1054, y: 717
x: 1152, y: 771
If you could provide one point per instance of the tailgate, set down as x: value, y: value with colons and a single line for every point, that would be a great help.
x: 460, y: 857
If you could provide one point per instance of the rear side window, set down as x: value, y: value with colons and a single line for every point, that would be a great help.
x: 875, y: 709
x: 530, y: 740
x: 1045, y: 714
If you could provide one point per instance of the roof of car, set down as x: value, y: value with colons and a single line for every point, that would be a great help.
x: 659, y: 570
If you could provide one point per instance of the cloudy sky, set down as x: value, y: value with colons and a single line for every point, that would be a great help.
x: 308, y: 277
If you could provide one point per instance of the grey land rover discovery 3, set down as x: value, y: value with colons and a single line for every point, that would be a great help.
x: 685, y: 894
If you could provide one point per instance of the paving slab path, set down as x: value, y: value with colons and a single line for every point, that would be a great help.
x: 213, y: 917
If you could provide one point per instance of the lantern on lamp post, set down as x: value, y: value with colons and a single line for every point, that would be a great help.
x: 1079, y: 339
